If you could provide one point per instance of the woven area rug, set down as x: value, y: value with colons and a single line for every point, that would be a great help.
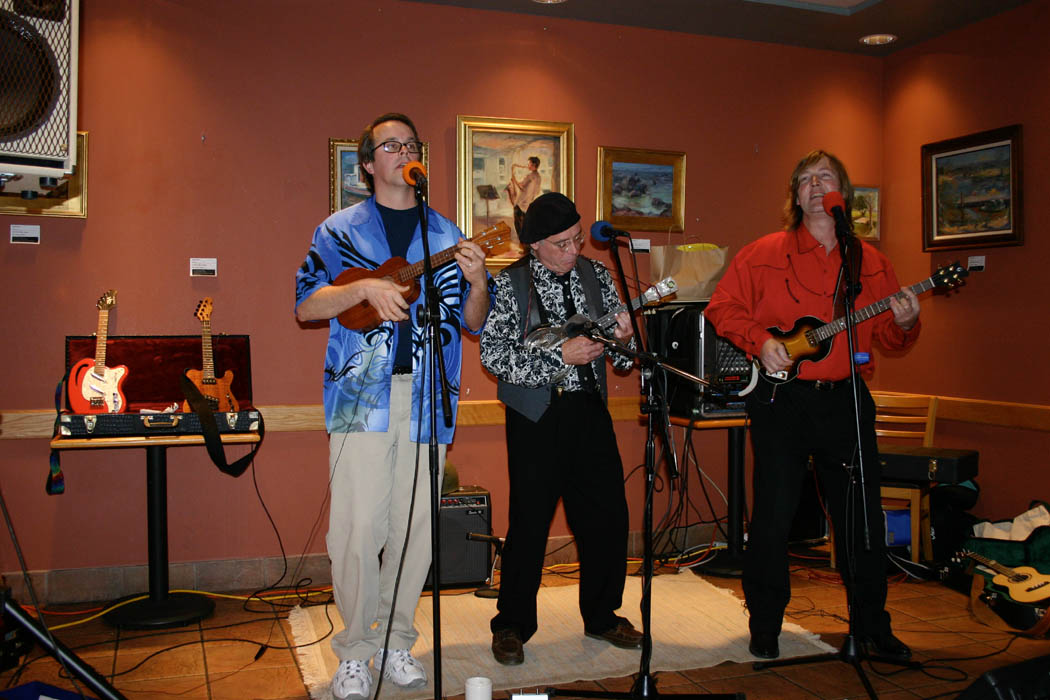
x: 694, y: 624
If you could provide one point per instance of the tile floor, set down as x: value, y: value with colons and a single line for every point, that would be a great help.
x: 216, y: 658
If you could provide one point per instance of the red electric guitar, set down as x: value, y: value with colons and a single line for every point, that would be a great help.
x: 214, y: 389
x: 93, y: 387
x: 363, y: 316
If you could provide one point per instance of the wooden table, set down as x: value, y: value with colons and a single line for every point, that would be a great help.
x: 730, y: 561
x: 161, y: 608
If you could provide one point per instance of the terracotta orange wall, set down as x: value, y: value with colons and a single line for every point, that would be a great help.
x: 983, y: 342
x: 208, y: 138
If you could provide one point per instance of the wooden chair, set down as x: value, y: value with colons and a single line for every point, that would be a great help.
x: 909, y: 417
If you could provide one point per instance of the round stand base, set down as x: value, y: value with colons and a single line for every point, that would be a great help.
x: 175, y: 610
x: 723, y: 564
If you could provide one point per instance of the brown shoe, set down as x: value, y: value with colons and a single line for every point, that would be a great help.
x: 623, y: 635
x: 507, y: 647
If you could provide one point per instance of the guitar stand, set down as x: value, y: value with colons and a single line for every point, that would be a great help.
x: 58, y: 650
x: 489, y: 590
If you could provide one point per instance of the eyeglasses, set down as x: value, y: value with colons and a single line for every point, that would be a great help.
x: 563, y: 246
x: 413, y: 147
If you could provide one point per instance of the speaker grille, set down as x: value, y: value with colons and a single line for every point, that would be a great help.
x: 38, y: 82
x: 464, y: 561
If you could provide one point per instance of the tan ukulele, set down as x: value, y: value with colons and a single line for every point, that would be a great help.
x: 1023, y: 583
x: 215, y: 390
x: 363, y: 316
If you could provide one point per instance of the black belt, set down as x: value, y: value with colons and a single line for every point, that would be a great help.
x: 822, y: 384
x: 402, y: 370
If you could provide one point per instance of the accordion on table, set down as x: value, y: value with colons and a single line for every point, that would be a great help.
x: 133, y: 385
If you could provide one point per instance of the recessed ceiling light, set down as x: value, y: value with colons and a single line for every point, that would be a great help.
x: 549, y: 2
x: 878, y: 39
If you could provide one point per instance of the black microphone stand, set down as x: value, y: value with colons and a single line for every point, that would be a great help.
x: 644, y: 684
x: 851, y: 651
x: 430, y: 319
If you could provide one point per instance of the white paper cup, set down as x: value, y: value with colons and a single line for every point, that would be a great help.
x: 478, y: 688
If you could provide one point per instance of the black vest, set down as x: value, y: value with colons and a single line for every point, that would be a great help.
x: 532, y: 402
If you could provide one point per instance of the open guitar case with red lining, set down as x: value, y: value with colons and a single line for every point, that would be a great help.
x: 155, y: 380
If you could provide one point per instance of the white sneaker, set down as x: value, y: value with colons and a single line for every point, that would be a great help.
x: 402, y: 669
x: 352, y: 681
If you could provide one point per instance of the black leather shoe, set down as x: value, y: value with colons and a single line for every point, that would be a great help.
x: 764, y: 646
x: 507, y: 647
x: 622, y: 634
x: 886, y: 645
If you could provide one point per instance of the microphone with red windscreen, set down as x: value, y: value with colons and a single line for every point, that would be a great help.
x: 414, y: 173
x: 835, y: 206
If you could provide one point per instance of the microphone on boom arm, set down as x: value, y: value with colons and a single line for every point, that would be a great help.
x: 603, y: 231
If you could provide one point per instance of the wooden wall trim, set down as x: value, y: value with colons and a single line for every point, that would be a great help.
x: 303, y: 417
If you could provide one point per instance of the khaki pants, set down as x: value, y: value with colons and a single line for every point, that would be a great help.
x: 371, y: 476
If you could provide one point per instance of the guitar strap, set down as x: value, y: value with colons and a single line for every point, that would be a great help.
x: 56, y: 480
x: 210, y: 430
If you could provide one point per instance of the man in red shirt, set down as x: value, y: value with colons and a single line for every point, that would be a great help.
x: 773, y: 282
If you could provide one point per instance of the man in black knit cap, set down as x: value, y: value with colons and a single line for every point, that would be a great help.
x: 560, y: 440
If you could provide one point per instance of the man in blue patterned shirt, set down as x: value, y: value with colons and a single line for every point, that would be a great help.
x: 560, y: 440
x: 377, y: 403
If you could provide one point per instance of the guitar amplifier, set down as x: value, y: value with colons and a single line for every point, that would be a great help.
x: 927, y: 464
x: 680, y: 333
x: 464, y: 561
x: 155, y: 364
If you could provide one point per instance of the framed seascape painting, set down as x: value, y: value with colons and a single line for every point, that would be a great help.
x: 501, y: 165
x: 347, y: 185
x: 641, y: 190
x: 866, y: 212
x: 971, y: 191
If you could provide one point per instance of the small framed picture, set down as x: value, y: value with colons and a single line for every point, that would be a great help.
x: 866, y: 212
x: 347, y: 184
x: 641, y: 190
x: 971, y: 191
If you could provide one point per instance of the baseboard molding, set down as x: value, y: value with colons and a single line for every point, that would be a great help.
x: 103, y: 583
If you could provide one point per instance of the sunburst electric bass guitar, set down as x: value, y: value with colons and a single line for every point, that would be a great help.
x: 94, y: 387
x: 215, y: 390
x: 363, y: 316
x: 809, y: 340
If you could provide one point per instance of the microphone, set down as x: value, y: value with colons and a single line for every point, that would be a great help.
x: 603, y: 231
x: 414, y: 173
x: 835, y: 207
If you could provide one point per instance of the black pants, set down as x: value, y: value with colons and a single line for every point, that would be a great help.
x: 569, y: 454
x: 787, y: 426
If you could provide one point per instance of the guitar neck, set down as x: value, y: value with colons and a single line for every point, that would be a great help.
x: 871, y: 311
x: 414, y: 270
x: 610, y: 318
x: 100, y: 343
x: 207, y: 360
x: 991, y: 564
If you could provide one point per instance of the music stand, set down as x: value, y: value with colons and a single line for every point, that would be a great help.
x: 488, y: 193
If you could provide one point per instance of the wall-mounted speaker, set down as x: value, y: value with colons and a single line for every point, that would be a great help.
x: 38, y: 86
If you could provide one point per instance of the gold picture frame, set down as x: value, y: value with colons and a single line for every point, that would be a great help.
x: 488, y: 149
x: 69, y: 200
x: 641, y: 189
x: 346, y: 186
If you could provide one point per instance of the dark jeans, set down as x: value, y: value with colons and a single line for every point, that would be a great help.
x: 569, y: 454
x: 787, y: 426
